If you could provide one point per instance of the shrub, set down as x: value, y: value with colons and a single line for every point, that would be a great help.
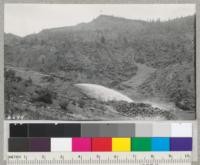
x: 49, y: 78
x: 11, y: 76
x: 44, y: 95
x: 28, y: 82
x: 63, y: 105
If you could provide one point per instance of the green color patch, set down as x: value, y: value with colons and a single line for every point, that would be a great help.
x: 140, y: 144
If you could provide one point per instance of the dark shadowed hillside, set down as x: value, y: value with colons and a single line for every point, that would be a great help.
x: 110, y: 51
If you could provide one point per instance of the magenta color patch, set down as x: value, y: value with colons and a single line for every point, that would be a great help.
x: 81, y: 144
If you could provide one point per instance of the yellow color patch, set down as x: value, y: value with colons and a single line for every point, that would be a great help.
x: 121, y: 144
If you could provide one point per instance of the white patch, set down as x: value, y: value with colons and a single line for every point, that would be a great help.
x: 102, y: 93
x: 61, y: 144
x: 181, y: 130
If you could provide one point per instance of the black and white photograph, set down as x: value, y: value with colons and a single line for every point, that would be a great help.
x: 99, y: 62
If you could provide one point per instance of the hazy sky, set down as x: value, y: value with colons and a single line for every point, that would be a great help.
x: 24, y: 19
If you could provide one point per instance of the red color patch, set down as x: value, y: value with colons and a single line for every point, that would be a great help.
x: 101, y: 144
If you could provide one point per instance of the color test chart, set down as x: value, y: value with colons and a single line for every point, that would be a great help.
x: 100, y: 143
x: 93, y: 137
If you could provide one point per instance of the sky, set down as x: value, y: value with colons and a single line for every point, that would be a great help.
x: 24, y: 19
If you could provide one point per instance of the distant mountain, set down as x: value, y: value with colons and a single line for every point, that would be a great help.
x: 155, y: 43
x: 105, y: 51
x: 97, y: 50
x: 102, y: 25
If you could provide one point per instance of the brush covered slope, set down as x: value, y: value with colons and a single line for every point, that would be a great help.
x: 40, y: 69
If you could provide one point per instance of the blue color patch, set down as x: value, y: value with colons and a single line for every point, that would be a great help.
x: 160, y: 144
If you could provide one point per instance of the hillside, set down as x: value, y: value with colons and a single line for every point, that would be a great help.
x: 114, y: 52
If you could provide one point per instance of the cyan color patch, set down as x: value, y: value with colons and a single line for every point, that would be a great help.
x: 160, y: 144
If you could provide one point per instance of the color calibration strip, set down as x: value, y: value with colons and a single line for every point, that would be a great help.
x: 107, y: 144
x: 100, y: 137
x: 102, y: 130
